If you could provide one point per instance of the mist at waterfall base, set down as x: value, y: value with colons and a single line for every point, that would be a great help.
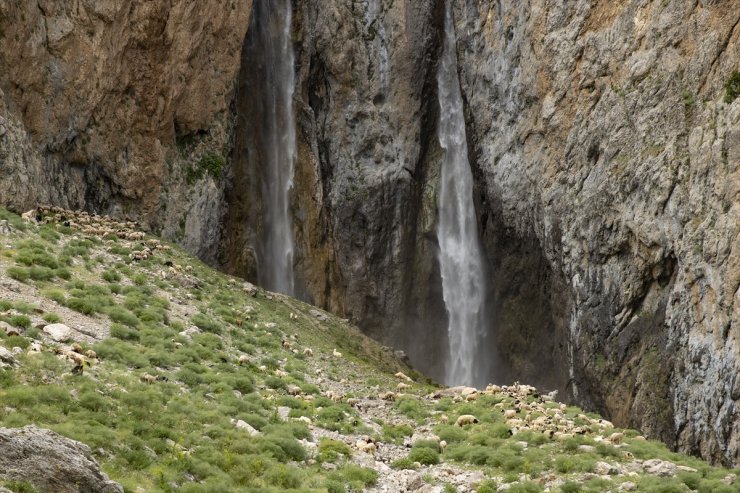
x: 462, y: 264
x: 269, y: 46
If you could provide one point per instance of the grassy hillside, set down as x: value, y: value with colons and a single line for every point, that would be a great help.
x: 194, y: 381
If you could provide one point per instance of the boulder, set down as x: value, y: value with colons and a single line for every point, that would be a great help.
x: 661, y: 468
x: 51, y: 462
x: 58, y: 332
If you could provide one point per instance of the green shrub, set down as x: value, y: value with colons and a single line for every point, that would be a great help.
x: 424, y: 456
x: 412, y: 408
x: 732, y: 87
x: 206, y: 323
x: 52, y: 318
x: 487, y: 486
x: 123, y: 316
x: 330, y: 450
x: 403, y: 463
x: 396, y: 433
x: 111, y: 276
x: 211, y: 164
x: 20, y: 487
x: 20, y: 321
x: 19, y: 273
x: 17, y: 341
x: 571, y: 487
x: 525, y: 487
x: 122, y: 332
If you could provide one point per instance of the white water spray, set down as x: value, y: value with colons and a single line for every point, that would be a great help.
x: 460, y: 255
x: 278, y: 145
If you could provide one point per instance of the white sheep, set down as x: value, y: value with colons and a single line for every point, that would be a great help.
x: 403, y: 376
x: 466, y: 419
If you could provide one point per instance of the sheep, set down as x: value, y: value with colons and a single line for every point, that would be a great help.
x: 77, y: 348
x: 402, y: 386
x: 366, y: 447
x: 509, y: 414
x: 403, y: 376
x: 147, y: 378
x: 281, y: 373
x: 334, y: 396
x: 471, y: 397
x: 616, y: 438
x: 354, y: 402
x: 336, y: 353
x: 294, y: 390
x: 466, y: 419
x: 388, y: 396
x: 91, y: 354
x: 286, y: 344
x: 444, y: 419
x: 492, y: 389
x: 29, y: 216
x: 307, y: 351
x: 304, y: 419
x: 189, y: 269
x: 244, y: 359
x: 442, y: 446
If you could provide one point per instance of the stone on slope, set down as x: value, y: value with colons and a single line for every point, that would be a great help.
x: 58, y: 332
x: 51, y: 462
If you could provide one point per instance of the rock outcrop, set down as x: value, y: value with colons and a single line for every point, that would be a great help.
x: 51, y: 462
x: 121, y: 108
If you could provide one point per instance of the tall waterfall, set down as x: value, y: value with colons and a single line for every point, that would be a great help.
x: 272, y: 21
x: 460, y: 255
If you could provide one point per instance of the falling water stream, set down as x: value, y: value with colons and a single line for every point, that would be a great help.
x: 460, y: 256
x: 272, y: 22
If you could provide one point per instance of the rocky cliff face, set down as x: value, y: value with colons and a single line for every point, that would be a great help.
x: 605, y: 158
x: 120, y: 107
x: 606, y: 166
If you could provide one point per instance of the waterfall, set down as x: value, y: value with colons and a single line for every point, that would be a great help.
x: 460, y: 255
x: 271, y: 20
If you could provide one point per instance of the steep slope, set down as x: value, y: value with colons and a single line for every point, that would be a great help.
x: 180, y: 378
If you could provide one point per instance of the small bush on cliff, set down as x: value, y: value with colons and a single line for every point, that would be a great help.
x: 732, y: 87
x: 212, y: 164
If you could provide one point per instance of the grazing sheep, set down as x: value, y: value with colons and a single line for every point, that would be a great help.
x: 466, y: 419
x: 281, y: 373
x: 336, y: 353
x: 388, y: 396
x: 403, y: 376
x: 492, y: 389
x: 471, y: 397
x: 77, y: 348
x: 307, y: 351
x: 444, y: 419
x: 286, y: 344
x: 294, y: 390
x: 402, y: 386
x: 244, y: 359
x: 442, y: 446
x: 147, y: 378
x: 91, y: 354
x: 29, y: 216
x: 509, y: 414
x: 334, y: 396
x: 616, y: 438
x: 366, y: 447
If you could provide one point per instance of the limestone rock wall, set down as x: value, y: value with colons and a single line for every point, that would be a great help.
x: 606, y: 166
x: 110, y: 103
